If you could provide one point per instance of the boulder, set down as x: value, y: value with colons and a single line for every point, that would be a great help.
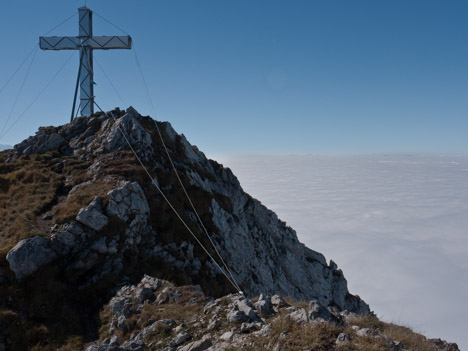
x: 111, y: 137
x: 343, y: 338
x: 29, y: 255
x: 44, y: 140
x: 319, y: 313
x: 92, y: 215
x: 237, y: 317
x: 199, y: 345
x: 245, y: 306
x: 128, y: 201
x: 278, y: 301
x: 297, y: 314
x: 180, y: 339
x: 263, y: 305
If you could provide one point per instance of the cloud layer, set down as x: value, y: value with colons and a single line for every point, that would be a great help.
x: 396, y: 225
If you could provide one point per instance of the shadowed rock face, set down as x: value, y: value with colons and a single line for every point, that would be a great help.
x: 263, y: 253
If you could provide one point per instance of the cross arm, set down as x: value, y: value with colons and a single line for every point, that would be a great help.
x: 103, y: 42
x: 59, y: 43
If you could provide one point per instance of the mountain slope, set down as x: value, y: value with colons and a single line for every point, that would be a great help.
x: 80, y: 214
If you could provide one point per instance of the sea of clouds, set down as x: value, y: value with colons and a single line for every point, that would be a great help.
x: 396, y: 225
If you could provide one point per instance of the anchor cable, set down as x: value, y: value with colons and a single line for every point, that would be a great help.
x: 110, y: 82
x: 234, y: 284
x: 19, y: 67
x: 58, y: 25
x: 175, y: 169
x: 231, y: 279
x: 32, y: 51
x: 37, y: 96
x: 19, y: 91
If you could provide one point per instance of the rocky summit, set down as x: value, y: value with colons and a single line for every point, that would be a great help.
x: 91, y: 250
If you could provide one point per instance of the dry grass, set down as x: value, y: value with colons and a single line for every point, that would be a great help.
x: 410, y: 339
x: 67, y: 210
x: 187, y: 306
x: 28, y: 188
x: 290, y: 336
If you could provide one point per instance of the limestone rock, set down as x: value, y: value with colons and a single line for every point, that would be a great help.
x: 199, y: 345
x: 127, y: 201
x: 29, y: 255
x: 297, y: 314
x: 44, y: 140
x: 343, y: 338
x: 319, y: 313
x: 237, y: 317
x: 245, y: 306
x: 180, y: 339
x: 111, y: 139
x: 92, y: 215
x: 263, y: 305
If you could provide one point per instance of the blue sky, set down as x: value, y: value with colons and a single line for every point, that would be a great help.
x: 264, y: 76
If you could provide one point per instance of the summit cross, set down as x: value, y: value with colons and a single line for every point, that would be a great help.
x: 86, y: 43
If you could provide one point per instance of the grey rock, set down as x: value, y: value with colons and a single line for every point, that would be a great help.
x: 66, y: 239
x: 111, y: 137
x: 264, y: 331
x: 237, y: 317
x: 227, y: 336
x: 210, y: 305
x: 42, y: 142
x: 443, y: 345
x: 199, y: 345
x: 127, y: 201
x: 297, y: 314
x: 120, y: 305
x: 92, y: 215
x: 395, y: 345
x: 214, y: 324
x: 100, y: 245
x: 122, y: 323
x: 245, y: 306
x: 180, y: 339
x: 29, y: 255
x: 150, y: 282
x: 319, y: 313
x: 278, y: 301
x: 131, y: 345
x: 263, y: 305
x: 144, y: 294
x: 343, y: 338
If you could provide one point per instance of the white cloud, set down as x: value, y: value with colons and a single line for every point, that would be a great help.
x: 396, y: 225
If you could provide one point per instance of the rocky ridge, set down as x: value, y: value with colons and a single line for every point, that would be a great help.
x: 264, y: 253
x: 101, y: 226
x: 156, y: 315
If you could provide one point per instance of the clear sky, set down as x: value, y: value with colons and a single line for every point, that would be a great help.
x: 263, y: 76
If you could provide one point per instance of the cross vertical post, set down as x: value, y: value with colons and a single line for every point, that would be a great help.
x: 85, y: 42
x: 86, y: 62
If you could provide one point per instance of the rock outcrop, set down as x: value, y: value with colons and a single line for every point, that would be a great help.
x: 29, y: 255
x: 103, y: 223
x: 74, y: 272
x: 263, y: 253
x: 234, y: 322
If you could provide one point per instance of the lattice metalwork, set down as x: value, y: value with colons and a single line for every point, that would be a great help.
x: 86, y: 43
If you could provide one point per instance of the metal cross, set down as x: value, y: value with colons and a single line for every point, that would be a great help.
x: 86, y: 43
